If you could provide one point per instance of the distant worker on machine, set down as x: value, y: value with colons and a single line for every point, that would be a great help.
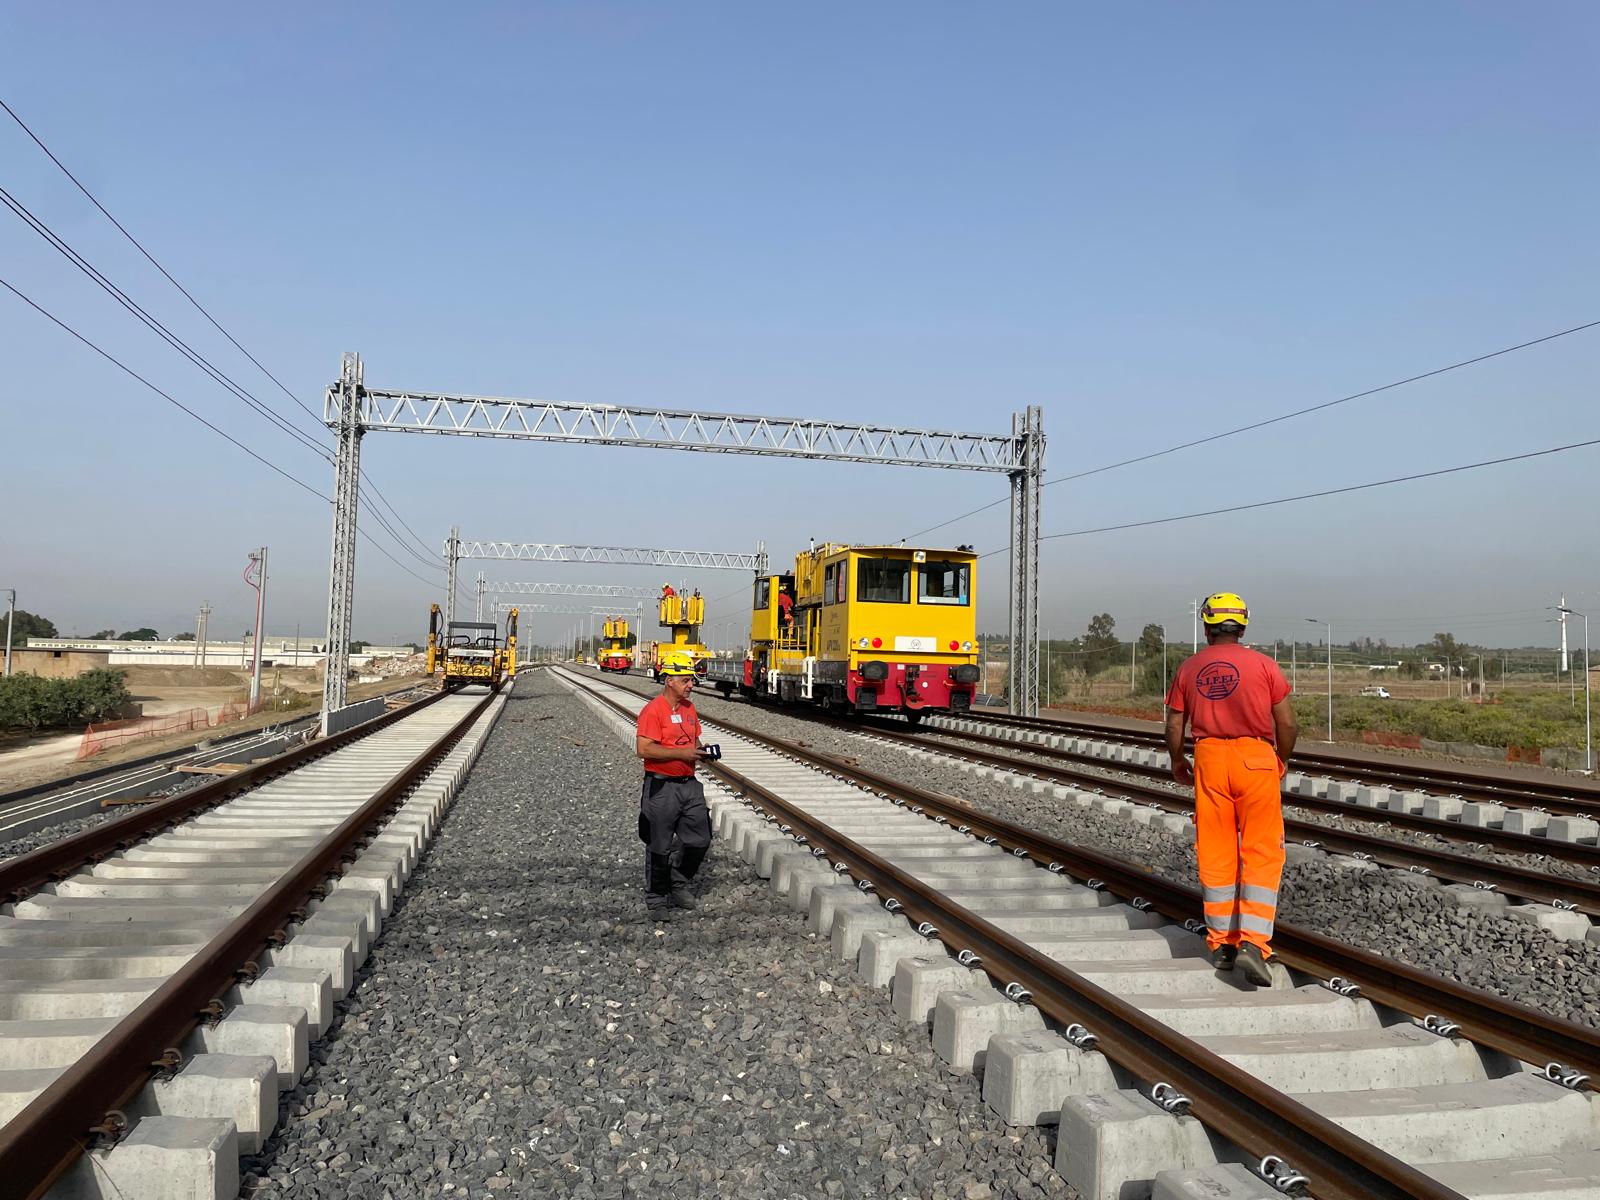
x: 1236, y: 702
x: 666, y: 591
x: 785, y: 606
x: 674, y: 824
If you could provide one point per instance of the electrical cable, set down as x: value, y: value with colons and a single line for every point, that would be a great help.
x: 185, y: 409
x: 261, y: 406
x: 61, y: 246
x: 38, y: 141
x: 1339, y: 491
x: 1288, y: 416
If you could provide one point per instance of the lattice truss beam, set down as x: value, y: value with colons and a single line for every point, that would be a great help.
x: 677, y: 429
x: 623, y: 556
x: 509, y: 588
x: 577, y: 610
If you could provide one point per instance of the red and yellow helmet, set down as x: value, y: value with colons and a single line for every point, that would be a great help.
x: 1222, y: 607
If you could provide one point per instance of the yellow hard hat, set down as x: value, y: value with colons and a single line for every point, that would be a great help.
x: 676, y: 662
x: 1222, y: 607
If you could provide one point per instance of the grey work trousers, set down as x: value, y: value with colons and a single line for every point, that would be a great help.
x: 675, y: 827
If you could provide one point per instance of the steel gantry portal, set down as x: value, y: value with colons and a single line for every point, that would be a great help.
x: 351, y: 409
x: 620, y: 556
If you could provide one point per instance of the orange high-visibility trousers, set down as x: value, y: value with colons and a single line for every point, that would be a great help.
x: 1238, y: 821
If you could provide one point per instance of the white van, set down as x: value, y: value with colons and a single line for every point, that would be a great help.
x: 1376, y: 692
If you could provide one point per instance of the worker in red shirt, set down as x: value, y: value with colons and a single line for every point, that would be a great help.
x: 674, y: 824
x: 1236, y: 702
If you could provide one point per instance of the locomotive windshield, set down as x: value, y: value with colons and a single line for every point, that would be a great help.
x: 943, y: 583
x: 884, y: 581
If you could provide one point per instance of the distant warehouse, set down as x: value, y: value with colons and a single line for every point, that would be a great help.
x: 72, y: 656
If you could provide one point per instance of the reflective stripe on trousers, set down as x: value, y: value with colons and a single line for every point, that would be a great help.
x: 1238, y: 817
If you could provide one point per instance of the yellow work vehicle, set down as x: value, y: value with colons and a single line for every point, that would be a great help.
x: 617, y: 654
x: 863, y: 629
x: 471, y: 651
x: 682, y: 615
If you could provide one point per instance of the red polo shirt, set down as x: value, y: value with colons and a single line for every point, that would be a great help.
x: 1228, y: 690
x: 659, y: 722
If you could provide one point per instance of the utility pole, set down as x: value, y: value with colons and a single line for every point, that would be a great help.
x: 201, y: 621
x: 1194, y: 612
x: 258, y: 567
x: 11, y: 619
x: 1133, y: 667
x: 483, y: 584
x: 1329, y: 624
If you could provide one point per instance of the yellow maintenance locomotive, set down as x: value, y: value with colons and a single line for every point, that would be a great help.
x: 617, y: 653
x: 863, y: 629
x: 471, y: 651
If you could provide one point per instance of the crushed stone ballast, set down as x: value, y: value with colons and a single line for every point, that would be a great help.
x: 1450, y: 1116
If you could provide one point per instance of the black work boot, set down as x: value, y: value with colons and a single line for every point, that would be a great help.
x: 661, y: 910
x: 1254, y: 965
x: 684, y: 898
x: 1222, y: 957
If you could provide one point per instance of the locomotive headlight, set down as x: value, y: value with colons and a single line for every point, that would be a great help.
x: 864, y: 643
x: 966, y: 646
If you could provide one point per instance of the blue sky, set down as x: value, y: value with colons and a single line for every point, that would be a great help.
x: 1153, y: 220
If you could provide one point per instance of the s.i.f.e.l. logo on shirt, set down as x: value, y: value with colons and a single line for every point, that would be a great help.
x: 1217, y: 680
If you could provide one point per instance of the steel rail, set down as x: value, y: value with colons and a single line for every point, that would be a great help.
x: 28, y: 872
x: 1579, y: 798
x: 1518, y: 843
x: 41, y: 1142
x: 1523, y: 882
x: 1525, y: 1033
x: 1242, y: 1109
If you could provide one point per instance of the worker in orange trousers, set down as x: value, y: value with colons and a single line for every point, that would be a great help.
x: 1235, y: 700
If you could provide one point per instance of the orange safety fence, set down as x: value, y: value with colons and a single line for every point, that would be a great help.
x: 109, y: 734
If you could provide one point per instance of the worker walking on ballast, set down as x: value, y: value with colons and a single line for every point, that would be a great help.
x: 674, y: 824
x: 1236, y: 702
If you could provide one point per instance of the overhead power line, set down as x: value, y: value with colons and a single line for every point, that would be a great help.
x: 1288, y: 416
x: 1339, y: 491
x: 203, y: 311
x: 38, y: 141
x: 62, y: 247
x: 187, y: 411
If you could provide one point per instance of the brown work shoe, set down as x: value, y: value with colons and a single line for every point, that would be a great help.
x: 1254, y: 965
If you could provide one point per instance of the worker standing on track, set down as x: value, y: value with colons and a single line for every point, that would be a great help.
x: 1236, y: 701
x: 674, y: 824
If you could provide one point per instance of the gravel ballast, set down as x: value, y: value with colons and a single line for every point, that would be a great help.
x: 1376, y: 910
x: 521, y: 1029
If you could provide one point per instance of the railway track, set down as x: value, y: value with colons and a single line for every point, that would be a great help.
x: 1075, y: 984
x: 161, y: 976
x: 1575, y: 797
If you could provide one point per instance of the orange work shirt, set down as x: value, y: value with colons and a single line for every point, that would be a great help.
x: 659, y: 722
x: 1228, y: 690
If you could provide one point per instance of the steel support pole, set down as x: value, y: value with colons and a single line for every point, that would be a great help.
x: 342, y: 560
x: 452, y: 553
x: 11, y: 620
x: 483, y: 584
x: 1027, y: 428
x: 259, y: 558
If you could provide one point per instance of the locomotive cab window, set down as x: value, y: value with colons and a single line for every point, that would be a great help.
x: 884, y: 581
x: 944, y: 583
x: 830, y: 575
x: 763, y: 593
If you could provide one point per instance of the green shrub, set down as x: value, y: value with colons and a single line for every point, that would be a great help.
x: 30, y: 703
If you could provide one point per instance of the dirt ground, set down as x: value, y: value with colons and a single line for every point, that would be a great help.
x: 25, y: 762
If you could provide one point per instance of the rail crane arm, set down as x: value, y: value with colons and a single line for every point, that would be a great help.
x: 433, y: 638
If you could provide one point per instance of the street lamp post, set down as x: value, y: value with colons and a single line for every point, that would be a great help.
x: 1329, y: 624
x: 1588, y: 727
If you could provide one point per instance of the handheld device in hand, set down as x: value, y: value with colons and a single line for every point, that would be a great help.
x: 712, y: 752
